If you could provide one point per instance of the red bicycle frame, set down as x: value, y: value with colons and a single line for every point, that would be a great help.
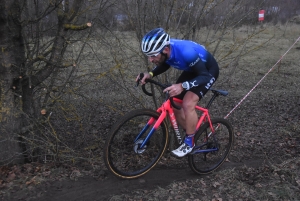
x: 165, y: 109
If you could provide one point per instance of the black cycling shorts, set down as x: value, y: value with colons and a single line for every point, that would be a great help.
x: 200, y: 90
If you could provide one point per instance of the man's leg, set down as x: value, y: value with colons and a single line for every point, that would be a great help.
x: 187, y: 118
x: 190, y: 100
x: 189, y: 103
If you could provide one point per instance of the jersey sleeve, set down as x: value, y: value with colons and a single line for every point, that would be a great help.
x: 160, y: 69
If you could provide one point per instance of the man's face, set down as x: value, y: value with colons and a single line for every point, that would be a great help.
x: 158, y: 59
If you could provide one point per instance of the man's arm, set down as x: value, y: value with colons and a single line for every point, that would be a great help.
x: 160, y: 69
x: 156, y: 71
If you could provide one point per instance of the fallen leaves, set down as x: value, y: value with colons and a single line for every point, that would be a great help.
x: 216, y: 184
x: 32, y: 174
x: 298, y: 181
x: 31, y: 181
x: 75, y: 175
x: 11, y: 176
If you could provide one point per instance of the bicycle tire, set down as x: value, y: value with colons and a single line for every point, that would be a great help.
x: 204, y: 163
x: 120, y: 152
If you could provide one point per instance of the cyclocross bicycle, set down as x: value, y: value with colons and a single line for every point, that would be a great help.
x: 139, y: 139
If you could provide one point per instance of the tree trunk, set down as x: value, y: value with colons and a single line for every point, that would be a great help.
x: 11, y: 59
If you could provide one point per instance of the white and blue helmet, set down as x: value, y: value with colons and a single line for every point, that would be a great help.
x: 154, y: 42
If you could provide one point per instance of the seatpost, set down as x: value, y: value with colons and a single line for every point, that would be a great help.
x: 211, y: 100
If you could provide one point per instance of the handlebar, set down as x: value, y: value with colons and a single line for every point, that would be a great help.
x: 162, y: 86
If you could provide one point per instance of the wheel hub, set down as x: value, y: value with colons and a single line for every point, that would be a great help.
x: 137, y: 148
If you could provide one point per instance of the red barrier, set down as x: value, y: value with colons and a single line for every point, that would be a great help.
x: 261, y: 15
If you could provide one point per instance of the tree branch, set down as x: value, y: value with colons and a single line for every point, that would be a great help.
x: 77, y: 27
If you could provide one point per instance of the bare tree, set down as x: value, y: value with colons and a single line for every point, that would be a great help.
x: 34, y: 42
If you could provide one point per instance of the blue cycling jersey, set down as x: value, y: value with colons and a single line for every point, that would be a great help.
x: 185, y: 54
x: 189, y: 56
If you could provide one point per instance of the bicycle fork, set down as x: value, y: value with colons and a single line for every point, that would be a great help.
x: 140, y: 145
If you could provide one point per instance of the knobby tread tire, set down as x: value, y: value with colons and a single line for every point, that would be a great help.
x: 204, y: 163
x: 119, y: 155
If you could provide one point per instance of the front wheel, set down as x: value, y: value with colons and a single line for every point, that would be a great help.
x: 124, y: 154
x: 211, y: 149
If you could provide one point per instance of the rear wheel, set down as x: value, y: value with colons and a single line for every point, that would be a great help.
x: 211, y: 149
x: 123, y: 154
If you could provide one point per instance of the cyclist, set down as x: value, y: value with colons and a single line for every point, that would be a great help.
x: 200, y: 71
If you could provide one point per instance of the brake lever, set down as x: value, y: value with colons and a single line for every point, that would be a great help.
x: 167, y: 95
x: 171, y: 99
x: 140, y: 78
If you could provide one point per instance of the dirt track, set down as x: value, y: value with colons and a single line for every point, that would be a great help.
x: 88, y: 188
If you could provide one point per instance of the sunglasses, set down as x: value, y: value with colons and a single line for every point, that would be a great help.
x: 153, y: 55
x: 156, y: 54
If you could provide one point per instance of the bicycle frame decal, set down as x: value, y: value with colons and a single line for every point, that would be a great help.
x: 175, y: 126
x: 174, y: 122
x: 167, y: 108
